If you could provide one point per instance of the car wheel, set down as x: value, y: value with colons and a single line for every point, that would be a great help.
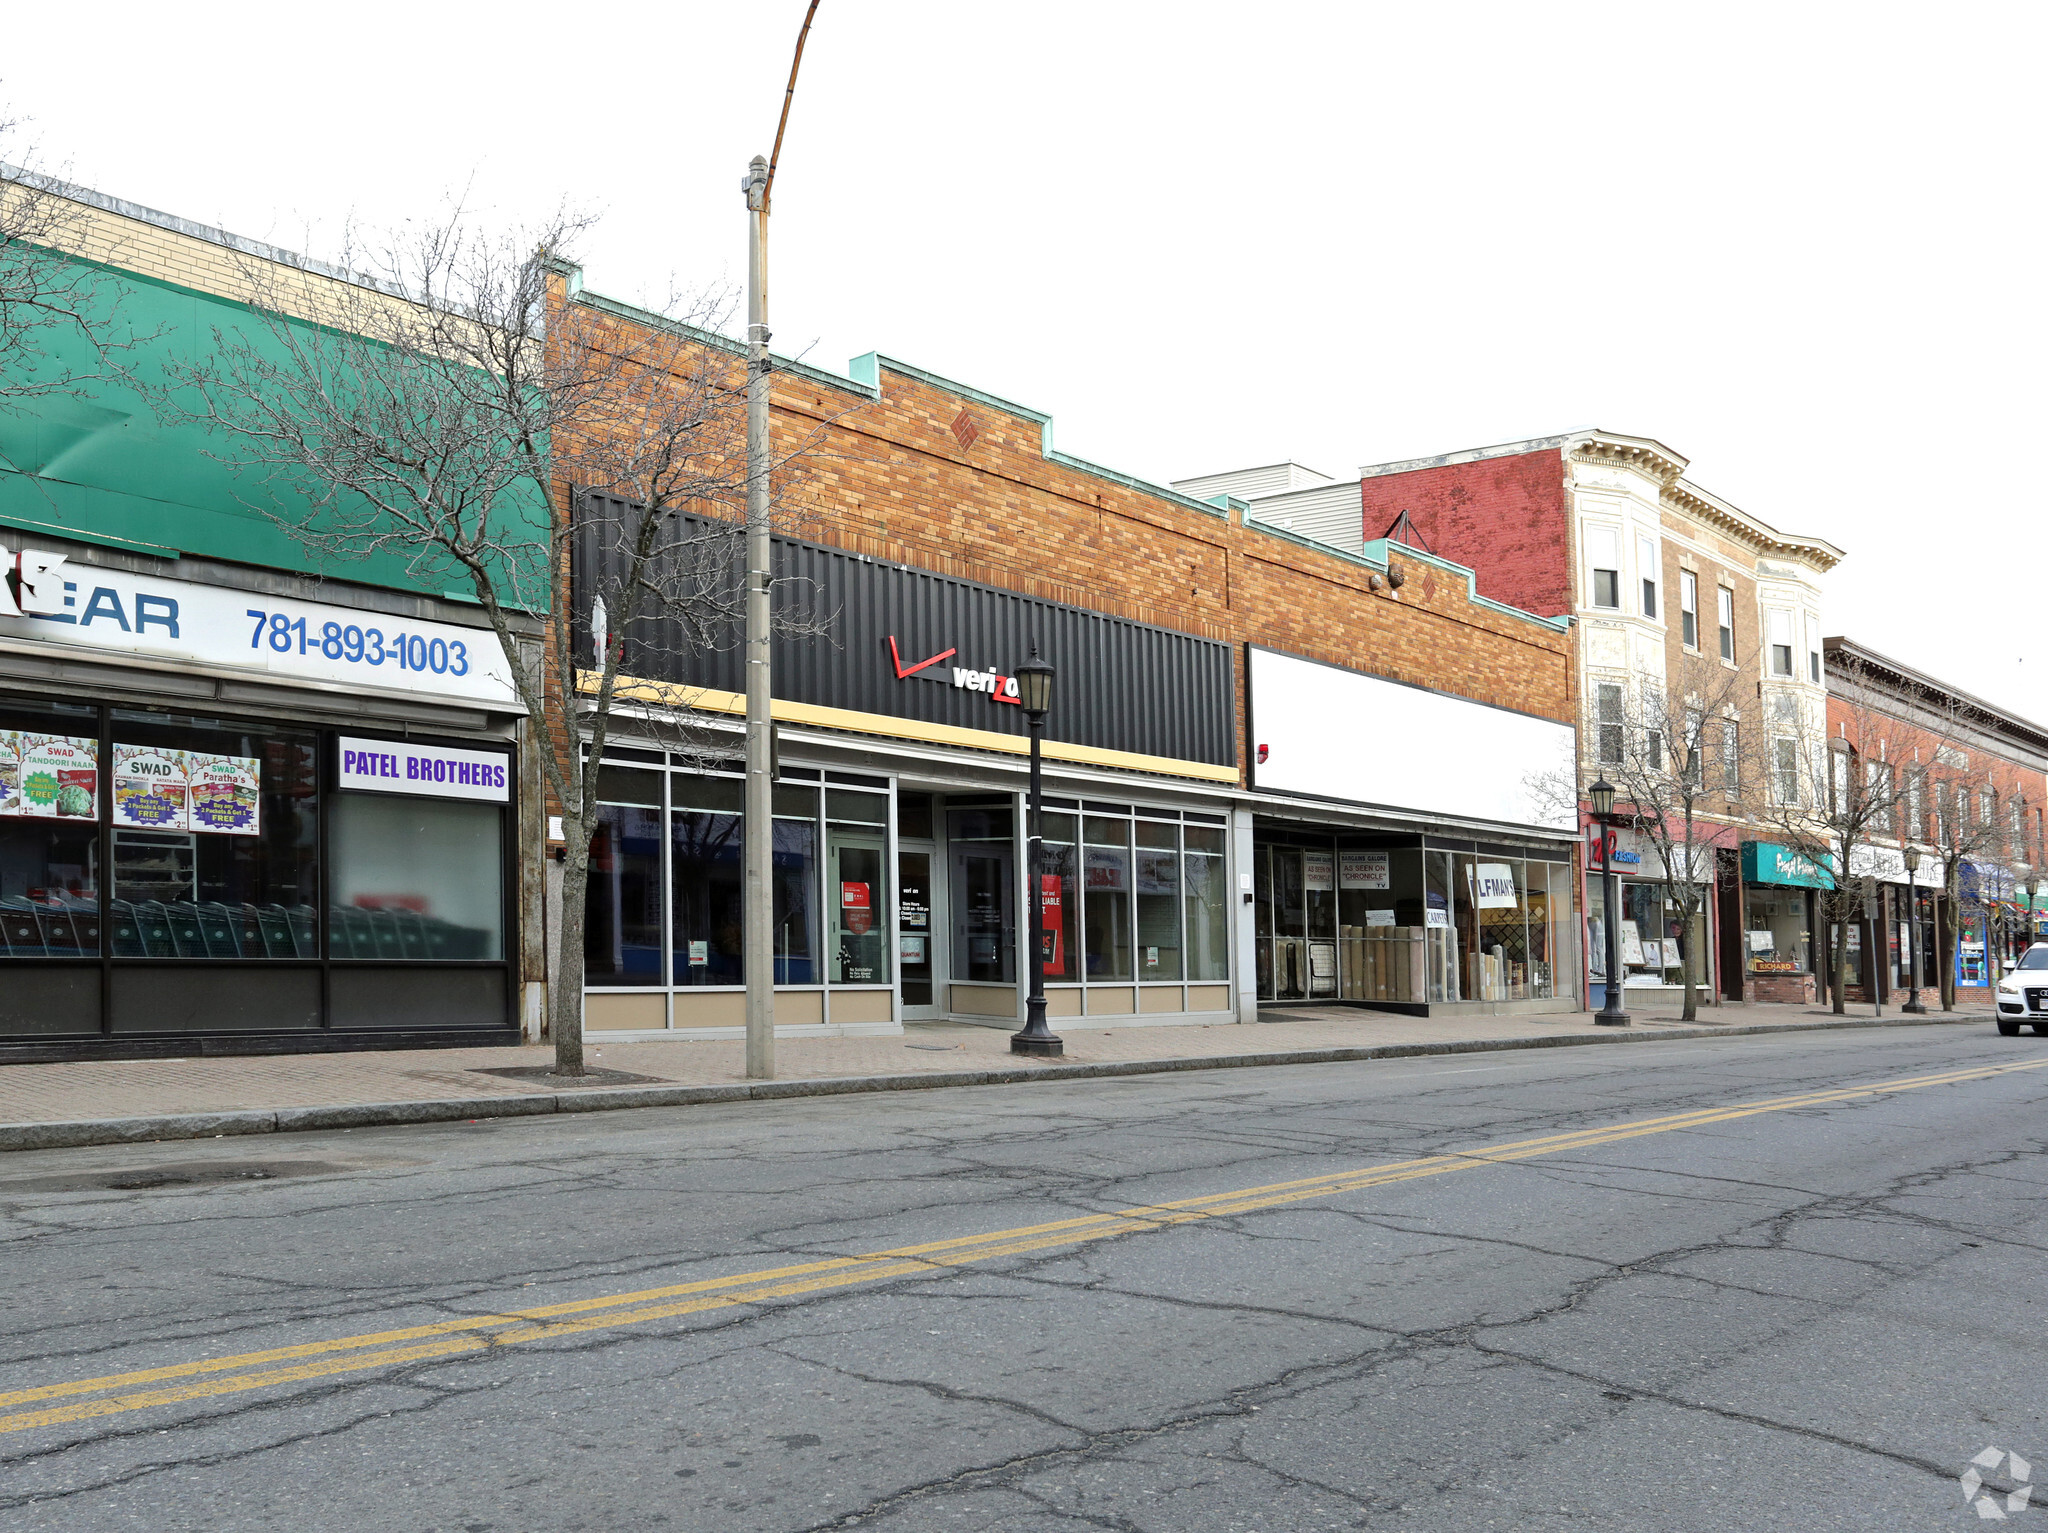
x: 2008, y: 1027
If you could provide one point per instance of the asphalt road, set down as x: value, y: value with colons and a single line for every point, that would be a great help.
x: 1569, y: 1289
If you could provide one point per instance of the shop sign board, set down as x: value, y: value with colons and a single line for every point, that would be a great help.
x: 1766, y: 862
x: 60, y: 600
x: 1604, y: 843
x: 1327, y: 732
x: 1365, y: 870
x: 425, y: 771
x: 914, y: 651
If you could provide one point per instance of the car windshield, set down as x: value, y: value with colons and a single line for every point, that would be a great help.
x: 2036, y: 958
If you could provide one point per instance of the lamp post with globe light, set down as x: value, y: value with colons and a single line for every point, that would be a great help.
x: 1601, y: 794
x: 1034, y: 691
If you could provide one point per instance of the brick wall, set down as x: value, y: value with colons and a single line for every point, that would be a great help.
x: 1501, y: 517
x: 891, y: 478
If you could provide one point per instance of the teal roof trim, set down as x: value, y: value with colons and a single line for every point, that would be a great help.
x: 1378, y: 549
x: 711, y: 338
x: 867, y: 368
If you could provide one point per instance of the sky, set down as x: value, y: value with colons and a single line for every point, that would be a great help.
x: 1797, y: 243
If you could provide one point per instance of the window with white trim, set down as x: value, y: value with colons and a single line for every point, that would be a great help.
x: 1725, y: 602
x: 1781, y: 643
x: 1689, y: 608
x: 1646, y: 569
x: 1603, y: 554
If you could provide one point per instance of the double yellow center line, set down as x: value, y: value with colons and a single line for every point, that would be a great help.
x: 82, y: 1399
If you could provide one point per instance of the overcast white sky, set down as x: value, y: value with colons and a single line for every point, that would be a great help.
x: 1799, y: 244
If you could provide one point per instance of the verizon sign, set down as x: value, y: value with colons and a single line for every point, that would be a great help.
x: 1000, y: 688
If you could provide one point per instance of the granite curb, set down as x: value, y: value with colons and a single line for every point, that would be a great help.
x: 80, y: 1132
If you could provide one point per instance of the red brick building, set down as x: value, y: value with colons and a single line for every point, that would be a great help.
x: 1672, y: 592
x: 1970, y: 782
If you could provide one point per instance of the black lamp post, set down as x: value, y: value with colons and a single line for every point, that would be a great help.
x: 1912, y: 859
x: 1034, y: 691
x: 1611, y: 1014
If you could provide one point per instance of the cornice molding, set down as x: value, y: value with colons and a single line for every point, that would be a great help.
x: 1643, y: 457
x: 1688, y: 500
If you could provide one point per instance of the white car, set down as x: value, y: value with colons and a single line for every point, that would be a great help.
x: 2023, y: 994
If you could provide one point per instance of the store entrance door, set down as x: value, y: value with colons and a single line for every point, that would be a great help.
x: 921, y: 931
x: 984, y: 913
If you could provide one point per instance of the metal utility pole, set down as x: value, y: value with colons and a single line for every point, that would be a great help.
x: 757, y: 913
x: 757, y: 842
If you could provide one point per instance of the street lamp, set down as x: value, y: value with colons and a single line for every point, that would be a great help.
x: 1610, y: 1015
x: 1911, y: 854
x: 1034, y: 691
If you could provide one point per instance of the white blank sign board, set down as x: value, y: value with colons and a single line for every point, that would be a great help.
x: 1333, y: 733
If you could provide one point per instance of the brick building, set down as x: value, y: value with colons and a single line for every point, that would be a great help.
x: 1970, y: 781
x: 1277, y: 770
x: 1676, y: 597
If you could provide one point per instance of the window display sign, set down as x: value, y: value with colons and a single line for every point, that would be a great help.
x: 1051, y: 949
x: 1364, y: 870
x: 49, y: 777
x: 429, y: 771
x: 1379, y: 918
x: 156, y: 789
x: 1493, y: 886
x: 1318, y: 871
x: 856, y: 914
x: 72, y: 603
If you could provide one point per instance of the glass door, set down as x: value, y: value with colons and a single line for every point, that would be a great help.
x: 984, y: 920
x: 861, y: 927
x: 918, y: 929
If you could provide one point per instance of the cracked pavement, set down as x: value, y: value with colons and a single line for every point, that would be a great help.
x: 1809, y: 1318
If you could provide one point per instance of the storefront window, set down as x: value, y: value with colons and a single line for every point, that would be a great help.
x: 1208, y: 904
x: 795, y: 854
x: 49, y: 831
x: 856, y: 830
x: 704, y: 879
x: 215, y: 843
x: 1779, y: 936
x: 1060, y: 899
x: 1444, y: 948
x: 416, y: 878
x: 1501, y: 957
x: 1106, y: 896
x: 1157, y: 866
x: 622, y: 921
x: 984, y: 895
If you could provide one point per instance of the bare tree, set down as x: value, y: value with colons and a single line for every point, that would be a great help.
x: 60, y: 317
x: 1959, y: 817
x: 443, y: 407
x: 1834, y: 797
x: 1673, y: 747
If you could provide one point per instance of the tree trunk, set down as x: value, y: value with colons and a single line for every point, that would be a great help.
x: 565, y: 999
x: 1688, y: 962
x: 1944, y: 950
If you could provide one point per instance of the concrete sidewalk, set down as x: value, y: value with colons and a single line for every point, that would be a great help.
x: 117, y: 1101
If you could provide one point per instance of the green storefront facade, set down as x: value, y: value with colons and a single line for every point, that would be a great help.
x: 248, y: 802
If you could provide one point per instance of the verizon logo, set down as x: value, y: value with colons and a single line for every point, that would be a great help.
x: 999, y: 688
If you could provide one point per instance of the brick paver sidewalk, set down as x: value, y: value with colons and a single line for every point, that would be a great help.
x: 68, y: 1092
